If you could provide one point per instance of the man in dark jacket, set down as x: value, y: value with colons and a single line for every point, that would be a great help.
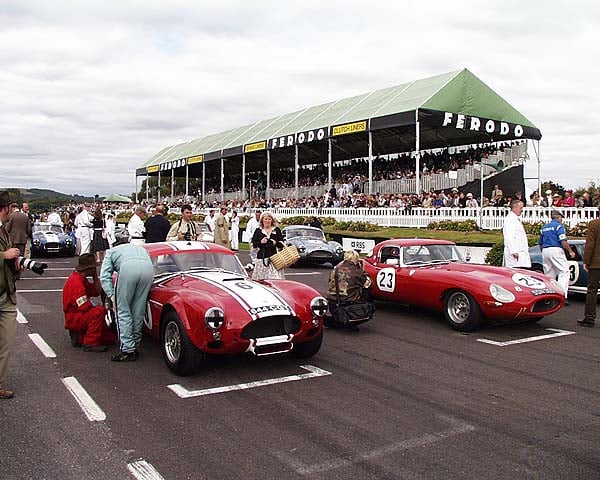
x: 8, y: 294
x: 19, y: 228
x: 591, y: 264
x: 157, y: 226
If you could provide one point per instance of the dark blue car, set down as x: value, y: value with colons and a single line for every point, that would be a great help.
x: 578, y: 277
x: 50, y: 238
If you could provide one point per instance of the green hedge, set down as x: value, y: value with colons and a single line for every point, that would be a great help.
x: 464, y: 226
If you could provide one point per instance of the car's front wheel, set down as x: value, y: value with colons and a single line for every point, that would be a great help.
x: 180, y: 354
x: 308, y: 349
x: 462, y: 311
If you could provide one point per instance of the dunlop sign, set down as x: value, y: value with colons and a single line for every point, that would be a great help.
x: 349, y: 128
x: 195, y: 159
x: 254, y: 147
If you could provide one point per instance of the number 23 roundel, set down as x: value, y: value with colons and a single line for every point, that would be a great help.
x: 386, y: 279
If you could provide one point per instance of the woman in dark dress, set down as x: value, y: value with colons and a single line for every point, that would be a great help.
x: 266, y: 238
x: 99, y: 242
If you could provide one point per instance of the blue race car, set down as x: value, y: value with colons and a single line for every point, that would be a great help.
x: 50, y: 238
x: 578, y: 277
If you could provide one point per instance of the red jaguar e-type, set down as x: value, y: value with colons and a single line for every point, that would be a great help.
x: 202, y: 302
x: 432, y: 274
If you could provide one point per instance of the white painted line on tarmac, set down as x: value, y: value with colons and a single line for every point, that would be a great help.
x: 42, y: 277
x: 457, y: 427
x: 42, y: 345
x: 60, y: 268
x: 183, y: 392
x: 40, y: 291
x: 302, y: 273
x: 21, y: 318
x: 142, y: 470
x: 559, y: 333
x: 91, y: 409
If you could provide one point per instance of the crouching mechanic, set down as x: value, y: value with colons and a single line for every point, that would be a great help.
x: 129, y: 294
x: 84, y: 320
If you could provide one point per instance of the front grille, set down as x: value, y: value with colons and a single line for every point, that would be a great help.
x: 545, y: 305
x: 52, y: 247
x: 321, y: 254
x: 271, y: 326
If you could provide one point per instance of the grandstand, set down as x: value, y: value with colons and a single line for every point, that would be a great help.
x: 415, y: 123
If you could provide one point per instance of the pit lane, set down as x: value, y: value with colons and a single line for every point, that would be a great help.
x: 407, y: 398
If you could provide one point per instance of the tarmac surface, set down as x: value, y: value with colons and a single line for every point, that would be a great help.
x: 406, y: 397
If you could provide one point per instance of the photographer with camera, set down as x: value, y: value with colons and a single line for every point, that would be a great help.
x: 185, y: 229
x: 8, y: 293
x: 19, y: 227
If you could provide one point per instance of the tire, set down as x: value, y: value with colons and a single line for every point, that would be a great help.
x: 462, y: 311
x: 308, y: 349
x: 180, y: 354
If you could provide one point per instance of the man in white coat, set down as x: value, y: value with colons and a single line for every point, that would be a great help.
x: 516, y: 247
x: 250, y: 227
x: 83, y: 230
x: 136, y: 227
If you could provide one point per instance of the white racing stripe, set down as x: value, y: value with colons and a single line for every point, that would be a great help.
x: 142, y: 470
x: 91, y: 409
x: 42, y: 345
x: 559, y: 333
x: 183, y: 392
x: 298, y: 274
x: 21, y: 318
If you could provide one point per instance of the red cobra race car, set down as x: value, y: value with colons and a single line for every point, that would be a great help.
x: 202, y: 302
x: 433, y: 275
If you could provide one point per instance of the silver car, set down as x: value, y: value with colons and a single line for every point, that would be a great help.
x: 312, y: 245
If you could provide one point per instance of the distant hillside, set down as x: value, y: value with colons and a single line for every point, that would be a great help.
x: 41, y: 199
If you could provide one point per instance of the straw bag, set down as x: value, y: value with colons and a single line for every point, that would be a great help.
x: 285, y: 257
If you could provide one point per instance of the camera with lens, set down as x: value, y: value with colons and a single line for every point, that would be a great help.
x: 28, y: 264
x: 187, y: 236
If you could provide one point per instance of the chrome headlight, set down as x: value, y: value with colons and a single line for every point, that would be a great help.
x: 214, y: 318
x: 339, y: 250
x: 35, y: 241
x: 318, y: 306
x: 501, y: 294
x: 301, y: 249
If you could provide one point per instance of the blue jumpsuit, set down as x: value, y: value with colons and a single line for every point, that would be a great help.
x: 130, y: 293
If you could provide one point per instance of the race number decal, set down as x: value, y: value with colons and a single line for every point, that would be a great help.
x: 573, y: 272
x: 527, y: 281
x: 386, y: 279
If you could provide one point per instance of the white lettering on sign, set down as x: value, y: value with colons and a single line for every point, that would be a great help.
x: 475, y: 124
x: 447, y: 119
x: 302, y: 137
x: 362, y: 245
x: 461, y: 121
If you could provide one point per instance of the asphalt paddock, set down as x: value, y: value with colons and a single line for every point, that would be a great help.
x: 406, y: 397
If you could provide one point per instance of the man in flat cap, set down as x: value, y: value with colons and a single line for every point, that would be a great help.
x: 8, y: 294
x: 553, y: 242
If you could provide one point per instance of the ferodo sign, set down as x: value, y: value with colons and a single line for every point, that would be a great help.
x: 476, y: 124
x: 298, y: 138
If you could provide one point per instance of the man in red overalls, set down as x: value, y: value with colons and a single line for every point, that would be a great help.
x: 83, y: 319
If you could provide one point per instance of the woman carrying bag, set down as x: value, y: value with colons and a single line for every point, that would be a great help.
x: 266, y: 238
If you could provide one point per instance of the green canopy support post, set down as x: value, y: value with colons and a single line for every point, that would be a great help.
x: 203, y: 180
x: 158, y: 195
x: 268, y: 192
x: 296, y: 162
x: 147, y: 187
x: 370, y: 162
x: 222, y: 179
x: 329, y: 162
x: 136, y: 190
x: 187, y: 179
x: 172, y: 184
x: 243, y: 175
x: 418, y: 153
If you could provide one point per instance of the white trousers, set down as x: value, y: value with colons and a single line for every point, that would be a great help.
x: 556, y: 266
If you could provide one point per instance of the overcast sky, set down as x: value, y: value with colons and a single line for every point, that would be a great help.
x: 90, y: 90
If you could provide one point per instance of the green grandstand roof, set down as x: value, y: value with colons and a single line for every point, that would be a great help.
x: 459, y: 92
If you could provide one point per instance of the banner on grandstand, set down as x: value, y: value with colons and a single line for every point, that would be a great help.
x: 182, y: 162
x: 470, y: 124
x: 195, y: 159
x: 255, y: 147
x: 347, y: 128
x: 298, y: 138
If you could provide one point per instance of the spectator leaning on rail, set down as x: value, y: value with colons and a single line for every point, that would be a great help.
x: 553, y: 242
x: 129, y: 294
x: 8, y: 294
x: 516, y: 247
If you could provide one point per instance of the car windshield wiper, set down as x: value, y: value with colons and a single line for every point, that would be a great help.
x: 415, y: 262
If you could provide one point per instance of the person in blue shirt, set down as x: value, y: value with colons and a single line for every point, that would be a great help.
x: 553, y: 242
x: 129, y: 294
